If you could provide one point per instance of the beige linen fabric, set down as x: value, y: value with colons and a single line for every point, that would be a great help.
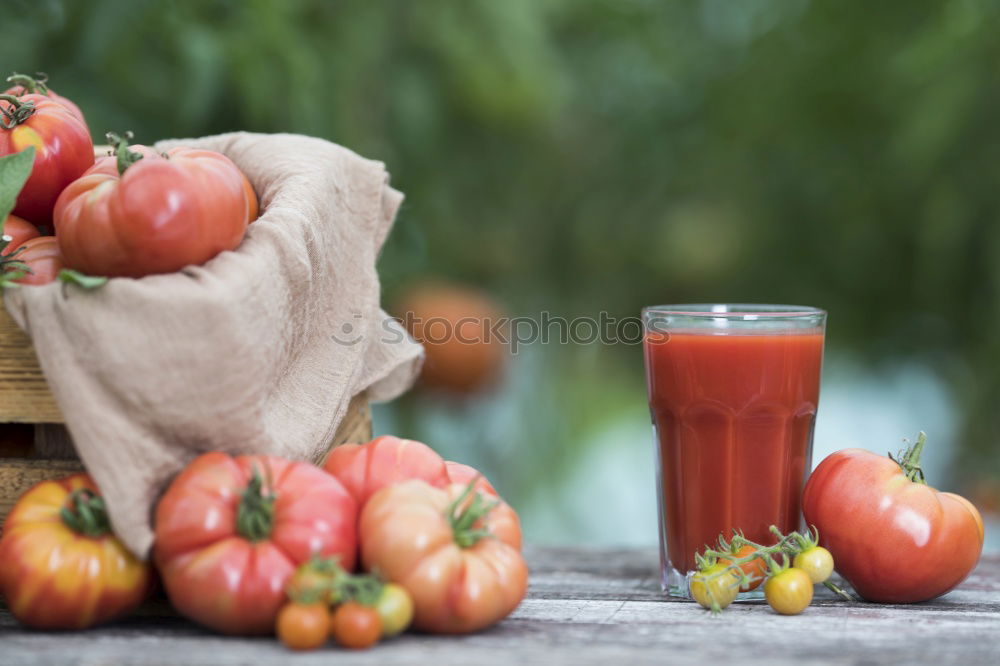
x: 259, y: 350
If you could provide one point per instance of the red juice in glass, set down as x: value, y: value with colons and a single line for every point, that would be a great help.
x: 733, y: 391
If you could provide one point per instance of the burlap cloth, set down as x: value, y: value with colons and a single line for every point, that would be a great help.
x: 259, y: 350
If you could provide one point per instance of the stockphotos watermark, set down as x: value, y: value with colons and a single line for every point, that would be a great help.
x: 512, y: 332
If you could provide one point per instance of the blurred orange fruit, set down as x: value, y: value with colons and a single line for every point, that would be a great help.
x: 454, y: 322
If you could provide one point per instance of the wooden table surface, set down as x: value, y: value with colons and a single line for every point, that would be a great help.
x: 587, y: 607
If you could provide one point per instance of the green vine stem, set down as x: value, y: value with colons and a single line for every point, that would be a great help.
x: 85, y: 513
x: 30, y: 85
x: 909, y: 459
x: 463, y: 521
x: 15, y: 112
x: 126, y: 157
x: 255, y: 514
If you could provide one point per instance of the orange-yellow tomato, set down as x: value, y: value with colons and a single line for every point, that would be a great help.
x: 60, y: 565
x: 303, y: 626
x: 463, y: 575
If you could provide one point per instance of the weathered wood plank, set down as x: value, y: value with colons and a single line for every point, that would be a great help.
x: 24, y: 395
x: 591, y: 607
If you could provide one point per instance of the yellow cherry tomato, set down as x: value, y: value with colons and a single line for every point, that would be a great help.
x: 717, y: 583
x: 789, y: 592
x: 817, y: 562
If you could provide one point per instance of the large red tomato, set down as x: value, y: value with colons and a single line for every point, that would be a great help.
x: 18, y: 231
x: 41, y: 255
x: 894, y: 538
x: 22, y: 84
x: 364, y: 469
x: 230, y: 532
x: 143, y: 212
x: 63, y: 150
x: 456, y: 553
x: 60, y: 565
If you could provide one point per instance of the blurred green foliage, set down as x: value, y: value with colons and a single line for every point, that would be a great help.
x: 586, y: 155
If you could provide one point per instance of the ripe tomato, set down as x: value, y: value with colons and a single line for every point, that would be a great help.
x: 63, y: 150
x: 365, y: 469
x: 62, y: 568
x: 230, y: 532
x: 789, y: 592
x: 42, y: 257
x: 164, y: 212
x: 355, y: 626
x: 718, y: 583
x: 25, y: 85
x: 19, y: 231
x: 756, y: 568
x: 303, y: 626
x: 896, y: 540
x: 464, y: 474
x: 458, y: 558
x: 395, y: 609
x: 817, y: 562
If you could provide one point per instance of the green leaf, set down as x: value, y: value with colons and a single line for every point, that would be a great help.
x: 69, y: 276
x: 14, y: 171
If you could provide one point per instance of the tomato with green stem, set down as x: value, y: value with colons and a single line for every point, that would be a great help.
x: 40, y: 260
x: 356, y: 626
x: 302, y: 626
x: 22, y: 84
x: 894, y: 538
x: 754, y: 568
x: 715, y: 587
x: 63, y: 150
x: 789, y: 590
x: 62, y: 566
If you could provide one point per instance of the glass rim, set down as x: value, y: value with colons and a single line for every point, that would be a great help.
x: 735, y: 310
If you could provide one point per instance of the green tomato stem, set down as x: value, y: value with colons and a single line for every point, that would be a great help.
x: 86, y: 514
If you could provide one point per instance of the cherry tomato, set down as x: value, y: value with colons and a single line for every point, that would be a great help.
x: 355, y: 626
x: 817, y: 562
x: 756, y: 568
x: 42, y: 256
x: 19, y: 231
x: 717, y: 583
x: 395, y: 609
x: 303, y: 626
x: 894, y: 538
x: 789, y: 592
x: 63, y: 150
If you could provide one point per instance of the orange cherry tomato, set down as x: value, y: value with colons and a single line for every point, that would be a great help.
x: 756, y: 568
x: 355, y: 626
x: 61, y: 567
x: 303, y: 626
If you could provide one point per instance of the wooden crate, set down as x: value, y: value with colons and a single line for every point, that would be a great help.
x: 41, y: 448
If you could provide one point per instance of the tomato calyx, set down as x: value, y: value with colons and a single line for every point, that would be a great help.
x: 463, y: 520
x: 119, y: 144
x: 85, y: 513
x: 255, y: 514
x: 909, y: 459
x: 323, y: 579
x: 15, y: 112
x: 30, y: 85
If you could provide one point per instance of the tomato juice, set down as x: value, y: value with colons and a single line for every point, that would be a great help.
x: 733, y: 409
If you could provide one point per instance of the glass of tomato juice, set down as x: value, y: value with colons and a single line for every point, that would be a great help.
x: 733, y: 391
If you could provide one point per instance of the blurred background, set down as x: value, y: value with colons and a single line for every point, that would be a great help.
x: 580, y: 156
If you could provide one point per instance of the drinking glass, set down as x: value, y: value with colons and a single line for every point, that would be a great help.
x: 733, y: 390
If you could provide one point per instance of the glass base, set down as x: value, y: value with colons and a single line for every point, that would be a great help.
x: 676, y: 584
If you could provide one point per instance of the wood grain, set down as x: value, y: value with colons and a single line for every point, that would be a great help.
x: 587, y: 606
x: 24, y: 395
